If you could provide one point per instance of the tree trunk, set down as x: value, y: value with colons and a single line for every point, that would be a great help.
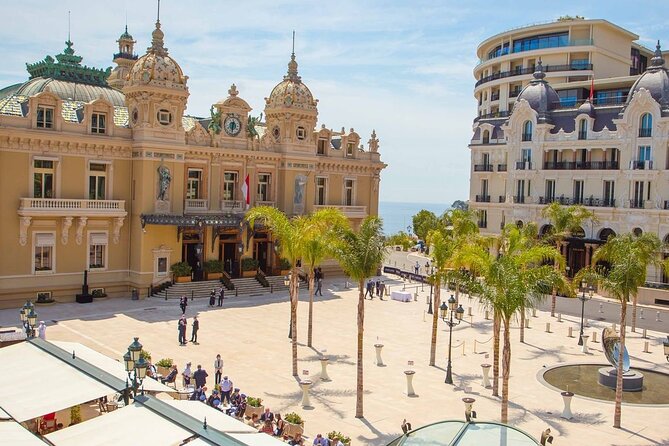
x: 435, y: 320
x: 457, y: 291
x: 361, y: 322
x: 619, y: 372
x: 522, y: 324
x: 311, y: 309
x: 634, y: 299
x: 554, y: 293
x: 495, y: 353
x: 294, y: 290
x: 506, y: 370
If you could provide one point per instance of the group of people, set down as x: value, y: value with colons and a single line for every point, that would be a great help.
x: 217, y: 294
x: 183, y: 327
x: 375, y: 285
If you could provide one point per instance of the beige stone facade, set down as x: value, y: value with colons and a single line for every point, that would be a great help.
x: 607, y: 150
x: 101, y: 171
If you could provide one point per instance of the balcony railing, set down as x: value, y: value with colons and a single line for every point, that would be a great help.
x: 195, y: 206
x: 641, y: 165
x: 645, y: 133
x: 483, y: 224
x: 514, y: 93
x: 494, y: 96
x: 530, y: 70
x: 519, y: 199
x: 589, y: 201
x: 538, y: 46
x: 265, y: 203
x: 581, y: 165
x: 349, y: 211
x: 493, y: 115
x: 483, y: 198
x: 523, y: 165
x: 636, y: 204
x: 502, y: 198
x: 233, y: 206
x: 501, y: 168
x: 128, y: 56
x: 71, y: 207
x: 482, y: 167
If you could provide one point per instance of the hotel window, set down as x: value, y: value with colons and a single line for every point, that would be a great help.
x: 97, y: 181
x: 44, y: 252
x: 609, y: 192
x: 97, y: 250
x: 578, y: 191
x: 264, y: 180
x: 321, y: 185
x: 486, y: 137
x: 194, y: 185
x: 321, y: 146
x: 349, y: 149
x: 43, y: 174
x: 583, y: 129
x: 527, y: 131
x: 646, y: 127
x: 348, y: 192
x: 164, y: 117
x: 483, y: 218
x: 98, y: 123
x: 550, y: 191
x: 162, y: 266
x: 229, y: 185
x: 44, y: 117
x: 301, y: 133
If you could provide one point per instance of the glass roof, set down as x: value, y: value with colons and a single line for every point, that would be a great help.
x: 460, y: 433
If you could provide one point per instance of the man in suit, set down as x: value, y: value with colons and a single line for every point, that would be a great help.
x: 196, y: 327
x: 220, y: 297
x: 200, y: 376
x: 182, y: 330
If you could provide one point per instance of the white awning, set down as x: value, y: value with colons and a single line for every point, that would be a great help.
x: 51, y: 384
x: 109, y: 365
x: 255, y: 439
x: 13, y: 433
x: 215, y: 418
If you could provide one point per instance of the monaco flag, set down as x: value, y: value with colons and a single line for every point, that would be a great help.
x: 245, y: 191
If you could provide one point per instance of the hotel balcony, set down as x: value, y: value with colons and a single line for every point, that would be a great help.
x: 530, y: 70
x: 581, y: 165
x: 349, y: 211
x: 63, y: 207
x: 483, y: 198
x: 523, y: 165
x: 196, y: 206
x: 482, y: 167
x: 641, y: 165
x: 591, y: 201
x: 233, y: 206
x: 501, y: 168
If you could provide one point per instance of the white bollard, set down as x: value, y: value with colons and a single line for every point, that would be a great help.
x: 566, y: 412
x: 594, y: 336
x: 645, y: 347
x: 379, y: 361
x: 645, y: 334
x: 469, y: 311
x: 548, y: 327
x: 486, y: 372
x: 409, y: 374
x: 584, y: 347
x: 305, y: 393
x: 601, y: 308
x: 534, y: 312
x: 613, y: 326
x: 487, y: 315
x: 657, y: 318
x: 527, y: 323
x: 570, y: 333
x: 641, y: 314
x: 324, y: 369
x: 559, y: 317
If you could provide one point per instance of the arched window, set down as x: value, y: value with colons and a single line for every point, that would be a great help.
x: 583, y: 129
x: 605, y: 233
x: 637, y: 232
x: 646, y: 125
x: 527, y: 131
x: 486, y: 137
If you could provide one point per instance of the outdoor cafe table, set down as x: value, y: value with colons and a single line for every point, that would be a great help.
x: 402, y: 296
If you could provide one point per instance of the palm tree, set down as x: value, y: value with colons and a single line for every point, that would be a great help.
x: 360, y: 253
x: 627, y: 256
x: 564, y: 220
x: 318, y: 246
x: 506, y: 278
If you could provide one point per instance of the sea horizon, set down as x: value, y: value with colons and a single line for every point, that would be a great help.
x: 397, y: 215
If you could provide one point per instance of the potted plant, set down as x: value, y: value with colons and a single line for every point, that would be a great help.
x: 164, y: 365
x: 249, y: 267
x: 254, y: 406
x: 44, y: 298
x: 213, y: 269
x: 145, y: 354
x: 336, y: 435
x: 284, y: 266
x: 182, y: 271
x: 294, y: 424
x: 75, y: 415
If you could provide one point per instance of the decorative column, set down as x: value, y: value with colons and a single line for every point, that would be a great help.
x: 379, y: 361
x: 486, y: 372
x: 324, y: 368
x: 566, y: 412
x: 409, y: 374
x: 305, y: 393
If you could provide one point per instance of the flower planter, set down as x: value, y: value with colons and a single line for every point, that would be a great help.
x: 163, y: 370
x: 251, y: 273
x: 250, y: 410
x: 291, y: 430
x: 183, y: 279
x: 214, y: 276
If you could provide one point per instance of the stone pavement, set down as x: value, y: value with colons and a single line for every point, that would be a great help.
x: 251, y: 335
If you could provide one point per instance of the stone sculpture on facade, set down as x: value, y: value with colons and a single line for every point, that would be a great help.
x: 164, y: 179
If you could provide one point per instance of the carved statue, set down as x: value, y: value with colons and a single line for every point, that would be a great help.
x: 164, y: 179
x: 215, y: 124
x: 251, y: 126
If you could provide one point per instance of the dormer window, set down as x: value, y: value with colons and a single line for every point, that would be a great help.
x: 583, y: 129
x: 320, y: 150
x: 164, y: 117
x: 349, y: 149
x: 646, y: 127
x: 301, y: 133
x: 98, y: 123
x: 44, y: 117
x: 527, y: 131
x: 486, y: 137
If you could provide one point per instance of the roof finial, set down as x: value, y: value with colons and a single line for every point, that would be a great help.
x: 539, y: 71
x: 157, y: 45
x: 69, y: 24
x: 158, y: 17
x: 657, y: 60
x: 126, y: 21
x: 293, y: 53
x: 292, y: 65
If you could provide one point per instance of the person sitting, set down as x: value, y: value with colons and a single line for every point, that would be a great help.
x: 280, y: 424
x: 151, y: 371
x: 212, y: 397
x: 172, y: 376
x: 296, y: 440
x: 320, y: 440
x: 253, y: 422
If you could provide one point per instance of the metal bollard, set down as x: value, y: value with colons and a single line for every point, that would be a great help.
x: 657, y: 318
x: 645, y: 334
x: 271, y: 288
x: 192, y: 295
x: 641, y: 314
x: 415, y: 296
x: 548, y: 327
x: 559, y: 317
x: 645, y: 347
x: 570, y: 332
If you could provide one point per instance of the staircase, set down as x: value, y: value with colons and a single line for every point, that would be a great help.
x: 190, y: 289
x: 247, y: 286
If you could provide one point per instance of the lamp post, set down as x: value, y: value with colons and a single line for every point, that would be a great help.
x: 28, y: 318
x: 286, y: 281
x: 583, y: 298
x: 447, y: 317
x: 136, y: 367
x: 666, y: 348
x: 429, y: 305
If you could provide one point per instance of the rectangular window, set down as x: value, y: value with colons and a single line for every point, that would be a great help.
x: 229, y: 185
x: 97, y: 181
x: 321, y: 146
x: 609, y: 193
x: 348, y: 192
x: 520, y: 191
x: 97, y: 250
x: 578, y: 191
x: 44, y: 248
x: 44, y: 117
x: 527, y: 155
x: 644, y: 153
x: 43, y: 174
x: 321, y: 184
x: 550, y: 191
x: 164, y: 117
x: 484, y: 188
x: 638, y: 196
x: 162, y: 266
x: 263, y: 186
x: 98, y: 123
x: 483, y: 218
x: 349, y: 149
x: 194, y: 186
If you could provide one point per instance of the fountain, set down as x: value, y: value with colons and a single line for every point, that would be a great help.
x: 632, y: 380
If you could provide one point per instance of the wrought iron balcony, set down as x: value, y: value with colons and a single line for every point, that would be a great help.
x: 581, y: 165
x: 519, y: 199
x: 530, y: 70
x: 641, y: 165
x: 483, y: 198
x: 128, y: 56
x: 482, y: 167
x: 502, y: 198
x: 494, y: 96
x: 493, y: 115
x: 233, y: 206
x: 64, y: 207
x: 501, y: 168
x: 523, y: 165
x: 637, y: 204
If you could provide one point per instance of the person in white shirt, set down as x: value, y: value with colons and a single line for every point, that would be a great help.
x: 218, y: 368
x: 226, y: 390
x: 187, y: 374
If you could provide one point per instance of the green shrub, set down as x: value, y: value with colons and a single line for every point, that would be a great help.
x: 249, y: 264
x: 336, y: 435
x: 293, y: 418
x: 253, y: 402
x: 165, y: 362
x: 181, y: 269
x: 284, y: 263
x: 75, y: 415
x: 213, y: 266
x: 145, y: 354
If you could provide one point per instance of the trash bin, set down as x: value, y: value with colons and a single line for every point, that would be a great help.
x: 135, y: 294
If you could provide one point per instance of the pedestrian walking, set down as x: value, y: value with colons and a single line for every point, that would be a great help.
x: 319, y: 282
x: 183, y: 303
x: 382, y: 289
x: 212, y: 297
x: 218, y: 368
x: 221, y: 296
x: 377, y: 285
x: 182, y: 330
x: 417, y: 268
x: 370, y: 289
x: 196, y: 327
x: 41, y: 330
x: 226, y: 390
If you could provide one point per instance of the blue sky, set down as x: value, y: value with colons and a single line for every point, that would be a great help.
x: 403, y: 68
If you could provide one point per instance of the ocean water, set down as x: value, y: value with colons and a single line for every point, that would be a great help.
x: 397, y: 216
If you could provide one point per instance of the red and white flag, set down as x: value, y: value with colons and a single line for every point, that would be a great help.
x: 245, y: 191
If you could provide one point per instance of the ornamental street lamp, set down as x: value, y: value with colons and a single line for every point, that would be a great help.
x: 583, y: 298
x: 286, y: 281
x: 28, y: 318
x: 429, y: 305
x: 447, y: 317
x: 135, y: 366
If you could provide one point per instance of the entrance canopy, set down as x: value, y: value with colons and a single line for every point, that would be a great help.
x: 36, y: 383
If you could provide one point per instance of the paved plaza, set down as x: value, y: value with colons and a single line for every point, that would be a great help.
x: 251, y: 335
